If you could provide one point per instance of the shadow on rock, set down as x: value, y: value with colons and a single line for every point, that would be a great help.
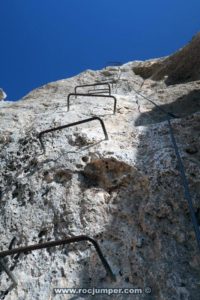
x: 182, y: 107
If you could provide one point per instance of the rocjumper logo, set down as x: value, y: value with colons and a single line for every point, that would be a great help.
x: 106, y: 291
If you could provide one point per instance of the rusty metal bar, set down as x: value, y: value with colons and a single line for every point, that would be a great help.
x: 70, y: 125
x: 91, y: 95
x: 12, y: 243
x: 99, y: 91
x: 9, y: 273
x: 63, y: 242
x: 94, y: 84
x: 4, y: 267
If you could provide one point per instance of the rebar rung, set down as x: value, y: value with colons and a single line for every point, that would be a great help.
x: 93, y: 84
x: 96, y: 92
x: 90, y: 95
x: 70, y: 125
x: 9, y: 273
x: 63, y: 242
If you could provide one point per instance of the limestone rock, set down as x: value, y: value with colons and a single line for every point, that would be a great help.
x: 182, y: 66
x: 125, y: 192
x: 2, y: 94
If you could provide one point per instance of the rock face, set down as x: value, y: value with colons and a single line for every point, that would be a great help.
x: 2, y: 94
x: 183, y: 66
x: 125, y: 192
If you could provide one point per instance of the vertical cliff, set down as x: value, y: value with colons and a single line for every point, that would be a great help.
x: 125, y: 192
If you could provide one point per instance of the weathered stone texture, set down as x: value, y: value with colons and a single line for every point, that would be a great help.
x: 125, y: 192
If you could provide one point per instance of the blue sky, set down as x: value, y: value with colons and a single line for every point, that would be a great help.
x: 47, y: 40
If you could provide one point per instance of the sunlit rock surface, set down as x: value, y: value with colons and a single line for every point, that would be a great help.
x: 125, y: 192
x: 2, y: 94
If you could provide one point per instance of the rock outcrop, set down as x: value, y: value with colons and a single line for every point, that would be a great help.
x: 183, y: 66
x: 125, y: 192
x: 2, y: 94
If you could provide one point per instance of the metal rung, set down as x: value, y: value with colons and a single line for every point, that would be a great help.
x: 4, y: 267
x: 63, y: 242
x: 98, y: 90
x: 93, y: 84
x: 9, y: 273
x: 90, y: 95
x: 95, y: 92
x: 70, y: 125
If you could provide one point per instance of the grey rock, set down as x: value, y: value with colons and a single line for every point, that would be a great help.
x: 125, y: 192
x: 2, y: 94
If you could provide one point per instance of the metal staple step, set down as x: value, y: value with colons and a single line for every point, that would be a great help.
x: 70, y: 125
x: 92, y: 95
x: 58, y: 243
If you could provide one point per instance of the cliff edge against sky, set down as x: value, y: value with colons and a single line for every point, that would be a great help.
x: 125, y: 192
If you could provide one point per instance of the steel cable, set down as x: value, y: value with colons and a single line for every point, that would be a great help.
x: 181, y: 168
